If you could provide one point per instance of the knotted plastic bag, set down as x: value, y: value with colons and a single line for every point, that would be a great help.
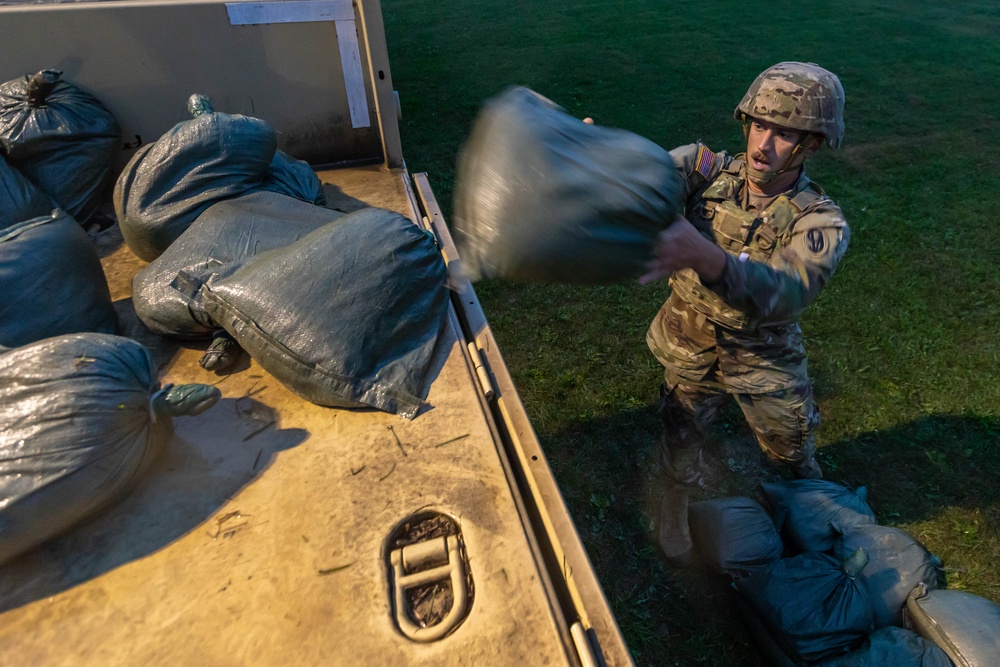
x: 81, y: 417
x: 51, y: 281
x: 893, y: 647
x: 541, y: 196
x: 347, y: 316
x: 898, y: 563
x: 227, y: 231
x: 963, y: 625
x: 812, y: 513
x: 735, y: 536
x: 209, y: 158
x: 20, y: 200
x: 812, y: 604
x: 63, y: 139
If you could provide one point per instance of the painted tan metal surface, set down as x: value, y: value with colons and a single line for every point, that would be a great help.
x: 260, y: 536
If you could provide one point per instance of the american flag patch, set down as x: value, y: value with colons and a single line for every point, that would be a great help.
x: 705, y: 162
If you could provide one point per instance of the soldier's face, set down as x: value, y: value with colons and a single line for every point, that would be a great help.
x: 770, y: 146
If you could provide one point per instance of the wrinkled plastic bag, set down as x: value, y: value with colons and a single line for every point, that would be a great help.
x: 212, y: 157
x: 735, y: 536
x: 51, y: 281
x: 898, y: 563
x: 81, y: 418
x: 893, y: 647
x: 812, y: 513
x: 812, y: 604
x: 348, y: 316
x: 225, y: 232
x: 19, y: 199
x: 963, y: 625
x: 541, y: 196
x: 64, y: 140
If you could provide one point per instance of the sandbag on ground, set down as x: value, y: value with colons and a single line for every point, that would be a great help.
x: 63, y: 139
x: 212, y: 157
x: 81, y: 417
x: 812, y: 604
x: 541, y: 196
x: 898, y: 563
x: 347, y: 316
x: 812, y: 513
x: 51, y: 281
x: 963, y: 625
x: 893, y: 647
x: 734, y: 535
x: 227, y: 231
x: 20, y: 200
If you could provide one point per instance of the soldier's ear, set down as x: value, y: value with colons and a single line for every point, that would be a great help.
x: 812, y: 144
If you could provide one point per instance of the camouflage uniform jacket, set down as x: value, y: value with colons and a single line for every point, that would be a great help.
x: 743, y: 332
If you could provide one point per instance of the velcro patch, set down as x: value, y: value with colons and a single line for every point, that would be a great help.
x: 705, y: 161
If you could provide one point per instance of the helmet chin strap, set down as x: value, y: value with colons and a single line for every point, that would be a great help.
x: 765, y: 178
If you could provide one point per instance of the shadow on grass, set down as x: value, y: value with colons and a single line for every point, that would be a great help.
x: 608, y: 472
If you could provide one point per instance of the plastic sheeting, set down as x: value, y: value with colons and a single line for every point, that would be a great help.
x: 228, y: 231
x: 735, y: 536
x: 812, y: 513
x: 19, y: 199
x: 78, y: 425
x: 898, y: 563
x: 212, y: 157
x: 893, y: 647
x: 61, y: 138
x: 541, y: 196
x: 52, y: 282
x: 812, y: 604
x: 963, y: 625
x: 347, y: 316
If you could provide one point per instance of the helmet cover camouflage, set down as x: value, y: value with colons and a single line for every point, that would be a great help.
x: 800, y: 96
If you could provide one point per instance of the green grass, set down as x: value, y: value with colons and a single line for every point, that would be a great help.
x: 902, y: 344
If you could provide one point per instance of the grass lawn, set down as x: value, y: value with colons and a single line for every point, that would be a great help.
x: 903, y: 344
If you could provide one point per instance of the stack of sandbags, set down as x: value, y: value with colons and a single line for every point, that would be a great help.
x: 835, y: 592
x: 541, y: 196
x: 81, y: 418
x: 210, y: 158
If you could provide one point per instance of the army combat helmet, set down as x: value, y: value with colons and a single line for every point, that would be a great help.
x: 799, y: 96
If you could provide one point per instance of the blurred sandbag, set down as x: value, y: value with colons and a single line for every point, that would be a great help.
x: 227, y: 231
x: 212, y: 157
x: 812, y: 604
x: 893, y: 647
x: 811, y: 513
x: 735, y: 536
x: 81, y: 417
x: 898, y: 563
x: 64, y: 140
x: 347, y: 316
x: 20, y: 200
x: 541, y: 196
x: 963, y: 625
x: 52, y: 282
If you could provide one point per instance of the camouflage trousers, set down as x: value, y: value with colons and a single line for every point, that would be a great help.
x: 783, y: 421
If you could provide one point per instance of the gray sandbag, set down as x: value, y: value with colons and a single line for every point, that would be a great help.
x: 227, y: 231
x: 541, y: 196
x: 963, y: 625
x: 893, y: 647
x: 81, y: 418
x: 212, y: 157
x: 812, y: 604
x: 735, y: 536
x: 348, y: 316
x: 63, y: 139
x: 20, y: 200
x: 898, y: 563
x: 812, y: 513
x: 51, y: 281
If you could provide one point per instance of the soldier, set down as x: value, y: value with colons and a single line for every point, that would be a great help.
x: 759, y: 242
